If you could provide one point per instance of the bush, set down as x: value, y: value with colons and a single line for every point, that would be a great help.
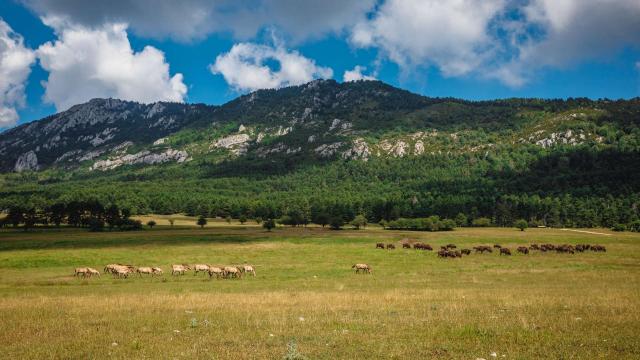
x: 481, y: 222
x: 96, y: 225
x: 619, y: 227
x: 635, y: 226
x: 286, y: 220
x: 521, y: 224
x: 461, y: 219
x: 269, y: 224
x: 447, y: 225
x: 130, y: 225
x: 202, y: 221
x: 432, y: 223
x: 151, y: 224
x: 359, y: 221
x: 336, y: 223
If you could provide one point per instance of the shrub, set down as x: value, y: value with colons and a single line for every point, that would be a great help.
x: 130, y: 225
x: 359, y: 221
x: 461, y: 219
x: 269, y: 224
x: 432, y: 223
x: 202, y: 221
x: 619, y: 227
x: 521, y: 224
x: 96, y: 225
x: 481, y: 222
x: 151, y: 224
x: 635, y: 226
x: 336, y: 223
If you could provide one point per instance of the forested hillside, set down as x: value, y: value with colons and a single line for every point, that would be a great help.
x: 326, y: 149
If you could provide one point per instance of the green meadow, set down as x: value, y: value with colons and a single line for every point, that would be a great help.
x: 306, y: 300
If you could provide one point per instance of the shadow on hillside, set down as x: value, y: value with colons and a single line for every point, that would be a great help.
x: 51, y: 239
x: 576, y: 171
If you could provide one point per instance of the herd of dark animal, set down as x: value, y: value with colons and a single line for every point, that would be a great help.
x: 451, y: 251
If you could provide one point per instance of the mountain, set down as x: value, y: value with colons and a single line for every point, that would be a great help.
x: 321, y: 119
x: 360, y: 143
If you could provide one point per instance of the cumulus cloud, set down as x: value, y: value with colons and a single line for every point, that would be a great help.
x: 85, y: 63
x: 451, y: 35
x: 573, y: 31
x: 356, y: 74
x: 247, y: 67
x: 192, y: 19
x: 15, y: 66
x: 484, y: 38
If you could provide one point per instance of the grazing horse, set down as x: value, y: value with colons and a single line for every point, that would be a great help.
x: 505, y: 251
x: 217, y: 271
x: 380, y: 246
x: 366, y: 269
x: 482, y: 248
x: 200, y: 268
x: 179, y: 269
x: 84, y: 272
x: 523, y: 250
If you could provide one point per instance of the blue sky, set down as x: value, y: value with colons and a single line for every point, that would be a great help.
x: 65, y: 52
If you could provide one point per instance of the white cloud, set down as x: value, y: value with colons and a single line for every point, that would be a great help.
x: 574, y: 31
x: 356, y: 74
x: 246, y: 67
x: 451, y: 35
x: 15, y: 66
x: 86, y: 63
x: 194, y: 19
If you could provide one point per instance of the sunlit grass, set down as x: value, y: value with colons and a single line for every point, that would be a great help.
x: 413, y: 306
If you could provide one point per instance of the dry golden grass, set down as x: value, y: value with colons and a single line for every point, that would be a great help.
x: 414, y: 306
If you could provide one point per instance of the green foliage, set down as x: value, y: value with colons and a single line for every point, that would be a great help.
x: 151, y: 223
x: 336, y: 223
x: 432, y: 223
x: 461, y: 219
x: 269, y: 224
x: 202, y: 221
x: 521, y: 224
x: 359, y: 221
x: 481, y: 222
x: 619, y: 227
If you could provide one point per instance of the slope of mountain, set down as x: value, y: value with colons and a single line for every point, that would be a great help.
x: 364, y: 146
x: 322, y: 119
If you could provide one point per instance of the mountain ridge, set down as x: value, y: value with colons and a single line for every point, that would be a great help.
x: 323, y: 119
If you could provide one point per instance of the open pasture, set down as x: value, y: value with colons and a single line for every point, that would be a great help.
x: 414, y: 305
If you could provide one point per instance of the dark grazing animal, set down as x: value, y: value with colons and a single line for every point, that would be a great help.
x: 534, y: 247
x: 523, y: 250
x: 598, y: 248
x: 406, y: 246
x: 565, y: 249
x: 379, y: 246
x: 497, y: 246
x: 450, y: 246
x: 465, y: 251
x: 505, y: 251
x: 390, y: 246
x: 482, y: 248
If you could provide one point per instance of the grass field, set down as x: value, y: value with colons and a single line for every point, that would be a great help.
x: 414, y: 306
